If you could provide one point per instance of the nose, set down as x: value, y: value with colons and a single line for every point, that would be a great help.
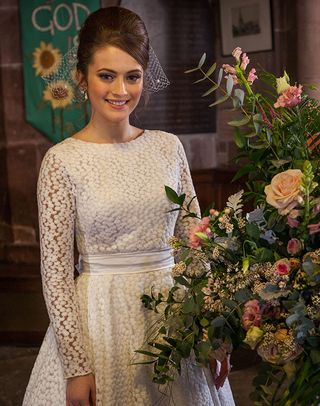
x: 119, y: 87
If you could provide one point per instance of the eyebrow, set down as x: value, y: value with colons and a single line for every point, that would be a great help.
x: 112, y: 71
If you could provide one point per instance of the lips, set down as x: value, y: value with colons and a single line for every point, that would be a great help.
x: 117, y: 102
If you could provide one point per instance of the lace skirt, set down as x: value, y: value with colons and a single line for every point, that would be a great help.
x: 114, y: 324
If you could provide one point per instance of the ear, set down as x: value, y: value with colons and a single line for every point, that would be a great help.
x: 81, y: 79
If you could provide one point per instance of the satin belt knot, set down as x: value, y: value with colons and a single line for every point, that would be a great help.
x: 122, y: 263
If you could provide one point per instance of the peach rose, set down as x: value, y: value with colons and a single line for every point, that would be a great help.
x: 284, y: 191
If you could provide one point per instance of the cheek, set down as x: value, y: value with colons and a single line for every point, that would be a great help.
x: 137, y: 91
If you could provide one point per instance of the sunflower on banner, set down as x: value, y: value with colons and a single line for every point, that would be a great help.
x: 49, y: 33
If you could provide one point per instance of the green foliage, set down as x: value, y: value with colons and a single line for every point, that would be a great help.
x: 246, y: 263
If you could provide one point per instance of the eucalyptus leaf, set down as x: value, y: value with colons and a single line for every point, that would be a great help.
x: 220, y: 76
x: 257, y: 121
x: 259, y: 146
x: 242, y: 295
x: 239, y: 94
x: 218, y: 321
x: 199, y: 80
x: 211, y: 69
x: 202, y: 60
x: 182, y: 281
x: 241, y: 122
x: 191, y: 70
x: 219, y: 101
x: 280, y: 162
x: 229, y: 85
x: 230, y: 303
x: 239, y: 139
x: 212, y: 89
x: 188, y: 305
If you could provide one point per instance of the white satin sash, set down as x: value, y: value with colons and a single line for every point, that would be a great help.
x: 122, y: 263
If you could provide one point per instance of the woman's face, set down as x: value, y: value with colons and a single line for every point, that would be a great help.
x: 114, y: 84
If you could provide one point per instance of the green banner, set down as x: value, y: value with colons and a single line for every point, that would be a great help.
x: 48, y: 30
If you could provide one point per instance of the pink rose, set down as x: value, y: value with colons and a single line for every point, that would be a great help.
x: 290, y: 97
x: 314, y: 228
x: 251, y: 314
x: 229, y: 69
x: 284, y: 191
x: 252, y: 76
x: 202, y: 227
x: 245, y: 61
x: 282, y: 266
x: 294, y: 246
x: 236, y: 53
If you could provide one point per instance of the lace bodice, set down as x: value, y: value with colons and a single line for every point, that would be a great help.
x: 111, y: 198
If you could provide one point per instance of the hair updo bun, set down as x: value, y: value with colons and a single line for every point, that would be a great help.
x: 115, y: 26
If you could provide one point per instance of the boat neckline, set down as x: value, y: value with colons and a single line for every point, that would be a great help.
x: 142, y: 135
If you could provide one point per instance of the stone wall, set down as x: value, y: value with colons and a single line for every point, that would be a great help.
x: 22, y: 149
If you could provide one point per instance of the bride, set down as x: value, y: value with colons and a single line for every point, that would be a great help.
x: 105, y: 187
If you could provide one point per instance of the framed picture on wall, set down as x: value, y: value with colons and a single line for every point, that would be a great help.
x: 247, y: 24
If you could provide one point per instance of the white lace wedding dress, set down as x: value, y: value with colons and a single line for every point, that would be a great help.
x: 111, y: 198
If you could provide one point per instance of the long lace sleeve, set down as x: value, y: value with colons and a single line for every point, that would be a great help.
x: 183, y: 225
x: 56, y: 203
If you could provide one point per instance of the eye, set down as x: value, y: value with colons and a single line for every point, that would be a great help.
x: 134, y: 78
x: 105, y: 76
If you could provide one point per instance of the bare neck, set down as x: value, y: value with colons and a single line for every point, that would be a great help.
x: 102, y: 131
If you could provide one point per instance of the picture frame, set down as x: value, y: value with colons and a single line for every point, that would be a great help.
x: 247, y: 24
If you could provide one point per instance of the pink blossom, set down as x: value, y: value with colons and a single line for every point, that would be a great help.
x: 245, y: 61
x: 252, y: 76
x: 314, y: 228
x: 290, y: 97
x: 273, y: 114
x: 294, y: 246
x: 236, y: 53
x: 251, y: 315
x: 282, y: 266
x: 292, y: 222
x: 202, y: 227
x: 229, y: 69
x: 265, y: 119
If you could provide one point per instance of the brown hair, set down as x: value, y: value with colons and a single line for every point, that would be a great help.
x: 115, y: 26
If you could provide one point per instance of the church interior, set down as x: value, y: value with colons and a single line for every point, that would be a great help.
x: 180, y: 32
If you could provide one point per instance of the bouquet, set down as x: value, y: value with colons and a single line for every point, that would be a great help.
x: 252, y: 278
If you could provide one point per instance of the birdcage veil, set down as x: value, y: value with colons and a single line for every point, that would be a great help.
x: 63, y: 77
